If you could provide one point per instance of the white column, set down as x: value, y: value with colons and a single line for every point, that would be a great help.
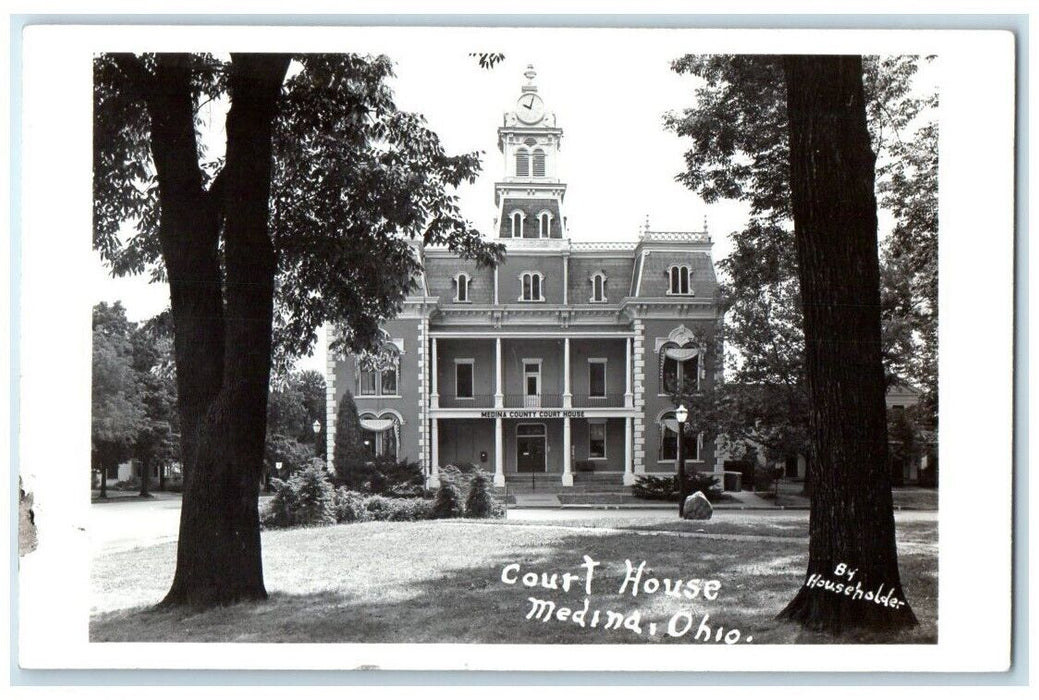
x: 568, y: 398
x: 499, y: 396
x: 434, y: 395
x: 568, y: 477
x: 499, y: 454
x: 629, y: 453
x: 629, y: 398
x: 434, y: 452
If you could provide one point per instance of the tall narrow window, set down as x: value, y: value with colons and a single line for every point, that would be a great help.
x: 598, y: 287
x: 596, y: 378
x: 539, y: 163
x: 531, y: 287
x: 462, y: 287
x: 597, y: 440
x: 378, y: 373
x: 544, y: 224
x: 517, y: 224
x: 679, y: 280
x: 522, y: 163
x: 464, y: 379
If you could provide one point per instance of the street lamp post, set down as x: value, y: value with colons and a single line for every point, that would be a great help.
x: 681, y: 413
x: 316, y: 427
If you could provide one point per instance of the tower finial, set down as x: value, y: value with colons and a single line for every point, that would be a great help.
x: 530, y: 74
x: 646, y: 226
x: 705, y: 223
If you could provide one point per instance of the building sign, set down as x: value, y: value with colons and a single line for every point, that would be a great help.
x: 533, y: 413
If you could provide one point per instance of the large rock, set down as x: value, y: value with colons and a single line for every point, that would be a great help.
x: 697, y: 507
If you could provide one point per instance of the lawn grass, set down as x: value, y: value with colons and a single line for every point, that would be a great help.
x: 441, y: 581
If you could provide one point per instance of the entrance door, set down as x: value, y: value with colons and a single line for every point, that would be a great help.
x: 530, y: 447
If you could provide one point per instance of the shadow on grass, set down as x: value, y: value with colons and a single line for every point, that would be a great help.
x: 442, y: 582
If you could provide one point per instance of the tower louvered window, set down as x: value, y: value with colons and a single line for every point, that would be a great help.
x: 522, y: 163
x: 539, y: 163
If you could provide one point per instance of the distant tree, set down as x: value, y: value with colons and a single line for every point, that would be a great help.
x: 350, y: 458
x: 157, y: 443
x: 117, y: 411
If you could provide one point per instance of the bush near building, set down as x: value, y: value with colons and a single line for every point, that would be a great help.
x: 665, y: 488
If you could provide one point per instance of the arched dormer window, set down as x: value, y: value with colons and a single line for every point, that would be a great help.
x: 539, y: 163
x: 598, y: 287
x: 544, y: 224
x: 532, y: 286
x: 679, y: 280
x: 516, y: 224
x: 462, y: 281
x: 669, y: 429
x: 522, y: 163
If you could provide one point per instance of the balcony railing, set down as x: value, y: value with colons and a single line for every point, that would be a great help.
x: 590, y: 401
x: 533, y: 401
x: 474, y: 401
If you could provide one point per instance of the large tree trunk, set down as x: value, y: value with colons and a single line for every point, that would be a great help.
x: 222, y: 344
x: 146, y: 475
x: 835, y: 217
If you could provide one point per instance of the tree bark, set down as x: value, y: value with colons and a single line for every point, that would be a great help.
x: 835, y: 217
x: 222, y: 322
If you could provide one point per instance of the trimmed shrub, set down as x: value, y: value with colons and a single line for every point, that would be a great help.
x: 448, y: 502
x: 479, y: 503
x: 350, y: 506
x: 400, y: 479
x: 306, y: 499
x: 665, y: 488
x: 767, y: 478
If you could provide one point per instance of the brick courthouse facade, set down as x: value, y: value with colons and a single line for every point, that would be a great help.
x: 561, y: 360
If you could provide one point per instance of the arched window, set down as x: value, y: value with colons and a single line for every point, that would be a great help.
x: 516, y: 220
x: 544, y: 224
x: 539, y: 163
x: 598, y: 287
x: 679, y: 368
x: 522, y: 163
x: 669, y: 429
x: 679, y: 280
x: 531, y: 286
x: 462, y: 281
x: 378, y: 372
x: 380, y: 437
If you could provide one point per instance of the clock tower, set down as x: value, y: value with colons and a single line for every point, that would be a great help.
x: 530, y: 195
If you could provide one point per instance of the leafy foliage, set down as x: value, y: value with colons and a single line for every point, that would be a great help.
x: 118, y: 412
x: 739, y: 151
x: 355, y: 181
x: 488, y: 60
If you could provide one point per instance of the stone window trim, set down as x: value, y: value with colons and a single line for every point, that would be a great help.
x: 680, y: 281
x: 680, y: 366
x: 462, y: 282
x: 545, y: 223
x: 394, y: 347
x: 527, y: 280
x: 598, y: 281
x: 516, y: 221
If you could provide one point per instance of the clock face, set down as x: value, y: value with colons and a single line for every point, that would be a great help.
x: 530, y: 109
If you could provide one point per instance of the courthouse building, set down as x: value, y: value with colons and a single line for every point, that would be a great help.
x: 561, y: 360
